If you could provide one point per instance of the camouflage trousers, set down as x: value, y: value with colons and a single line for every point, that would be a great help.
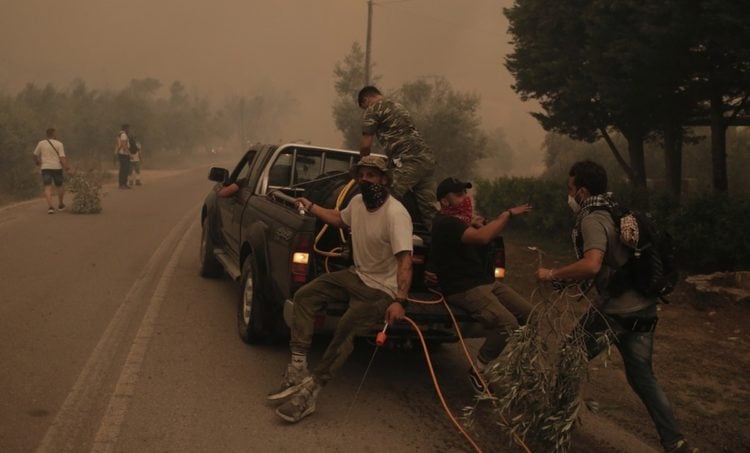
x: 416, y: 174
x: 366, y: 312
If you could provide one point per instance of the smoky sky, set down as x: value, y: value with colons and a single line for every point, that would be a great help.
x: 242, y: 47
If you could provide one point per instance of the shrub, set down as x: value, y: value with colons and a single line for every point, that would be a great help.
x: 551, y: 216
x: 710, y: 230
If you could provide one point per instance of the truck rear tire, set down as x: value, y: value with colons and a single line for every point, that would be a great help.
x: 250, y: 305
x: 209, y: 266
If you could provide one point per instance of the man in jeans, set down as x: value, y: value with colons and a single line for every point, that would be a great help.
x: 49, y: 156
x: 122, y: 152
x: 375, y: 288
x: 623, y: 316
x: 459, y: 257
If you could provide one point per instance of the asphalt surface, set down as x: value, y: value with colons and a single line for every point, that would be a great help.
x: 110, y: 341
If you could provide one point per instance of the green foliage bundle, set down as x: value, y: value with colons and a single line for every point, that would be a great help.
x: 85, y: 186
x: 536, y: 382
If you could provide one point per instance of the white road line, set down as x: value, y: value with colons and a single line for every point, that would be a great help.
x: 81, y: 399
x: 109, y: 430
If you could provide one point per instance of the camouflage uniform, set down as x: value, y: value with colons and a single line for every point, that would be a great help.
x: 412, y: 162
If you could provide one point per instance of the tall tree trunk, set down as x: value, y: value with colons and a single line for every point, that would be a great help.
x: 719, y: 145
x: 673, y: 161
x: 637, y: 161
x: 639, y: 196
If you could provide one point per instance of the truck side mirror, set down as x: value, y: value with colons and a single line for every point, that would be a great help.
x: 218, y: 174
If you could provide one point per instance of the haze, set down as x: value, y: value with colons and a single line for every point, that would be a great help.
x: 289, y: 47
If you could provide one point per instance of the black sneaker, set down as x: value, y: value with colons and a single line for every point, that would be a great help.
x: 302, y: 403
x: 61, y: 207
x: 51, y: 210
x: 293, y: 378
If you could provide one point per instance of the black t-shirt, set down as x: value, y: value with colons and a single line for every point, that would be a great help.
x: 459, y: 266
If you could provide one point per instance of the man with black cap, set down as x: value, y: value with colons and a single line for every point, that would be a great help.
x: 459, y: 253
x: 375, y: 288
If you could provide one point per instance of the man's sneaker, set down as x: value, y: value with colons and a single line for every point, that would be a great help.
x: 290, y: 383
x: 302, y: 403
x: 51, y: 210
x: 61, y: 207
x: 682, y: 447
x: 476, y: 381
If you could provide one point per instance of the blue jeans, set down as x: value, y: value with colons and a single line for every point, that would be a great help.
x: 636, y: 349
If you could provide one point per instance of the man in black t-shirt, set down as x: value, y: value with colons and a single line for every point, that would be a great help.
x: 459, y: 251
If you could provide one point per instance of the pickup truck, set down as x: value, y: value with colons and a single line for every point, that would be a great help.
x: 271, y: 248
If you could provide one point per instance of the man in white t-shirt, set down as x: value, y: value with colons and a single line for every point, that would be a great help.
x: 122, y: 152
x: 376, y: 287
x: 49, y: 156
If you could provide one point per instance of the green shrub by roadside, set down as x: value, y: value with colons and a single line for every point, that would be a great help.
x: 710, y: 230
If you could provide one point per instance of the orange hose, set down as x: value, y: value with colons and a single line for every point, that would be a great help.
x: 516, y: 438
x: 437, y: 387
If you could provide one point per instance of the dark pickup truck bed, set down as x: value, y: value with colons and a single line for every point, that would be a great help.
x: 261, y: 240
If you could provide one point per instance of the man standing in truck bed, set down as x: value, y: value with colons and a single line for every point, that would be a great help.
x: 375, y: 288
x: 412, y: 162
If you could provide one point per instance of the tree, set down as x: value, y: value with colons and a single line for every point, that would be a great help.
x: 449, y: 122
x: 349, y: 79
x: 723, y: 73
x: 598, y: 65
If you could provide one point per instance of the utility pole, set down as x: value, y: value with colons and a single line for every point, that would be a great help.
x: 368, y: 48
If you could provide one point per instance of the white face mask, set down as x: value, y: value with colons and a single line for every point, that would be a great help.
x: 574, y: 206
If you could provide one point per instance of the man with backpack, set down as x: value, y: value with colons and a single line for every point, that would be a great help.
x: 49, y: 156
x: 625, y: 314
x: 122, y: 152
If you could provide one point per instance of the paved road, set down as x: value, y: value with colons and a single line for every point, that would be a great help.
x: 109, y: 341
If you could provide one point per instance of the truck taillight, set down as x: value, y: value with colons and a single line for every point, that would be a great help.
x: 500, y: 259
x: 300, y: 257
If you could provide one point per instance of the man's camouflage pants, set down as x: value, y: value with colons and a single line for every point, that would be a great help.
x: 416, y: 173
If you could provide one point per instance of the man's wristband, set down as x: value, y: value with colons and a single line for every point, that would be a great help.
x: 510, y: 213
x: 402, y: 301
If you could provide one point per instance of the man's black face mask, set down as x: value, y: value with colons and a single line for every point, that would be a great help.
x: 373, y: 195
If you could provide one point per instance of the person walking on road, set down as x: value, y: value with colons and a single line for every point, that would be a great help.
x: 49, y: 156
x: 623, y: 315
x: 122, y: 152
x: 375, y: 288
x: 134, y: 175
x: 459, y: 257
x: 412, y: 161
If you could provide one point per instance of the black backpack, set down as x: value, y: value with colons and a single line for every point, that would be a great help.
x: 133, y: 145
x: 651, y: 268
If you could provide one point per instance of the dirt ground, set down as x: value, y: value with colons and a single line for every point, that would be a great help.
x: 701, y: 359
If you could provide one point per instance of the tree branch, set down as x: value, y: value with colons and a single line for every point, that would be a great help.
x: 740, y: 107
x: 616, y: 152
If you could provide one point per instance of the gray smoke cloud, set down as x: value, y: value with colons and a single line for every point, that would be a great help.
x: 288, y: 47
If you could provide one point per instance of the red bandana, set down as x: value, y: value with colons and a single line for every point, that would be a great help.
x: 462, y: 212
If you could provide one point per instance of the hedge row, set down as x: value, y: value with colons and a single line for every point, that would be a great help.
x: 710, y: 230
